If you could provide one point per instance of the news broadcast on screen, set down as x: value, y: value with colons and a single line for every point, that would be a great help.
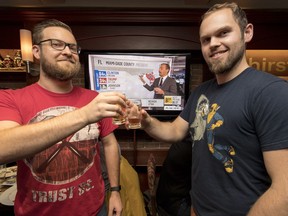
x: 122, y: 72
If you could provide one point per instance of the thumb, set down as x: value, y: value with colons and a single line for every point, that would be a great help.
x: 146, y: 119
x: 145, y: 115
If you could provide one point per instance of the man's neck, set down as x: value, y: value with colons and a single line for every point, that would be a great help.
x: 56, y: 86
x: 228, y: 76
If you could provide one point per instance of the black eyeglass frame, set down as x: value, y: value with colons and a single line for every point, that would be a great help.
x: 77, y: 51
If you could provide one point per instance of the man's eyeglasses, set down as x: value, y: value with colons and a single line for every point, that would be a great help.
x: 61, y: 45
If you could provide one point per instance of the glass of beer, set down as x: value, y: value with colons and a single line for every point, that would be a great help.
x: 119, y: 119
x: 134, y: 114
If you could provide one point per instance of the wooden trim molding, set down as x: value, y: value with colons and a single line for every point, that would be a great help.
x: 139, y: 16
x: 102, y: 16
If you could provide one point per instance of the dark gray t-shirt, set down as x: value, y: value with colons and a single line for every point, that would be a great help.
x: 231, y: 125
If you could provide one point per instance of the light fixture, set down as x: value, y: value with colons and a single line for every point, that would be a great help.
x: 26, y: 47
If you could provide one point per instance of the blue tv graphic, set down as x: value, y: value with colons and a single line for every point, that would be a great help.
x: 97, y: 75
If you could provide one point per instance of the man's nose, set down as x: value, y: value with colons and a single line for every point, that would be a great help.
x: 67, y: 50
x: 214, y: 41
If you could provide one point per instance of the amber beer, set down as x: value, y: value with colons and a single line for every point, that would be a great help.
x: 134, y: 116
x: 134, y: 122
x: 119, y: 119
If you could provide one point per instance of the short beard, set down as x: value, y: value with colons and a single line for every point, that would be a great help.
x: 225, y: 67
x: 55, y: 72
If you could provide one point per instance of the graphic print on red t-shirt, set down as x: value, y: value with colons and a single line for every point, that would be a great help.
x: 67, y: 160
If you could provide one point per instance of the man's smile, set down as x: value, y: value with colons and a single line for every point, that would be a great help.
x: 217, y: 54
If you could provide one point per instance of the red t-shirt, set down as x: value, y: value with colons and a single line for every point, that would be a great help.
x: 66, y: 178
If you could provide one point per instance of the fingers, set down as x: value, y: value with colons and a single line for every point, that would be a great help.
x: 106, y: 104
x: 144, y: 113
x: 113, y: 98
x: 145, y: 120
x: 112, y: 102
x: 115, y: 213
x: 156, y: 89
x: 129, y: 103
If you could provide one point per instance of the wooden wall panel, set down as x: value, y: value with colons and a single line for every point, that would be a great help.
x: 10, y: 38
x: 139, y: 29
x: 137, y: 37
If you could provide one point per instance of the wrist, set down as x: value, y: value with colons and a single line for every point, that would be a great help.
x: 148, y: 123
x: 83, y: 116
x: 115, y: 188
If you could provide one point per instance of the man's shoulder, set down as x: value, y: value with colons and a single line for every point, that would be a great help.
x: 20, y: 91
x: 85, y: 91
x: 170, y: 79
x: 261, y: 74
x: 261, y: 79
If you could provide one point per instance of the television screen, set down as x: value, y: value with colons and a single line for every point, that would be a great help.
x: 137, y: 75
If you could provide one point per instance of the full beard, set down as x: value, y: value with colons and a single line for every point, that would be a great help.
x: 222, y: 67
x: 60, y: 73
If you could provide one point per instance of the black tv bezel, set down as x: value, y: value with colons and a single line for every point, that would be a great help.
x: 160, y: 114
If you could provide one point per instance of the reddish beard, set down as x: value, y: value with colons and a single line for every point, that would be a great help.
x: 59, y: 72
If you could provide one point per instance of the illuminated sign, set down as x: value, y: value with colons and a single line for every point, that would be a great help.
x: 271, y: 61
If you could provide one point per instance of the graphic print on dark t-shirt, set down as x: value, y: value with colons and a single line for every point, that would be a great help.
x: 207, y: 119
x: 67, y: 160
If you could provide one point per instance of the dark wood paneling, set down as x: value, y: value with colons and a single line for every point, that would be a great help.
x: 10, y: 38
x: 107, y: 29
x: 103, y: 15
x: 137, y: 37
x: 12, y: 76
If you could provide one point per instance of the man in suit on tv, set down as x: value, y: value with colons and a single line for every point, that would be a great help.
x: 163, y: 85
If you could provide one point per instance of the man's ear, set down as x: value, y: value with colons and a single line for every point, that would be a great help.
x: 248, y: 33
x: 36, y: 51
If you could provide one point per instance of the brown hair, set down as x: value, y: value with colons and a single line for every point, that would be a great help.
x: 238, y: 14
x: 167, y: 66
x: 38, y: 28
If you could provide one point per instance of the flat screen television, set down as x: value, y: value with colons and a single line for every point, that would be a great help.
x: 121, y: 71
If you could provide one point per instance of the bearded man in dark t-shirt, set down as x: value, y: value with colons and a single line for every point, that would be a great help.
x: 238, y: 125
